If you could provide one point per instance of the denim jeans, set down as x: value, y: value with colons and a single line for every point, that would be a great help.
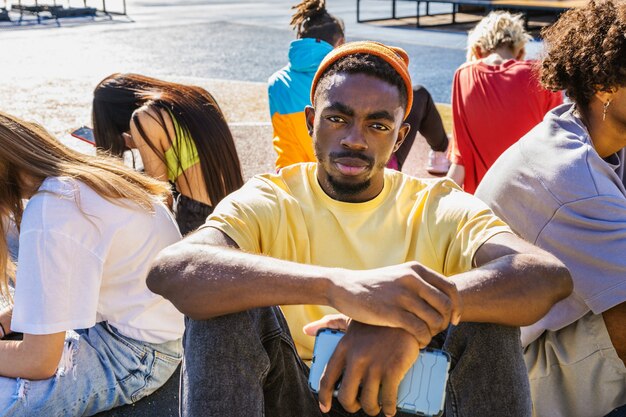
x: 245, y: 364
x: 190, y: 214
x: 100, y: 369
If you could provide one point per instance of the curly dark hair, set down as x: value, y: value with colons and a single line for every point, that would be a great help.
x: 586, y: 51
x: 365, y: 64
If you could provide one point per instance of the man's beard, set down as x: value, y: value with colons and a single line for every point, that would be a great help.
x: 347, y: 189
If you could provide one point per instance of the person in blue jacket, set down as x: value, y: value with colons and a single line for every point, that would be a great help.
x: 318, y: 33
x: 289, y: 89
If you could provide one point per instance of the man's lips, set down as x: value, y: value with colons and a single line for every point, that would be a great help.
x: 351, y: 166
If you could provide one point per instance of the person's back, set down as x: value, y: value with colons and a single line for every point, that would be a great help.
x: 289, y: 89
x: 560, y: 187
x: 117, y: 241
x: 496, y: 98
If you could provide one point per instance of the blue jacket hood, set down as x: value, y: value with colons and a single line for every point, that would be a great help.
x: 306, y: 54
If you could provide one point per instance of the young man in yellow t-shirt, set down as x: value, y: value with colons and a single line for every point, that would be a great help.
x: 408, y: 262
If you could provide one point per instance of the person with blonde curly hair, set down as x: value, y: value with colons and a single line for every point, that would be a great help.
x: 560, y: 188
x: 496, y: 98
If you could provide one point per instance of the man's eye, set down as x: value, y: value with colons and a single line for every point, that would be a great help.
x: 335, y: 119
x: 379, y: 126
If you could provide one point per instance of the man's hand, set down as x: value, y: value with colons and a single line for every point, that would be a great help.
x: 374, y: 359
x: 407, y: 296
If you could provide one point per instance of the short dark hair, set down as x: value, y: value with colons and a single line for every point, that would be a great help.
x: 368, y: 64
x: 586, y: 51
x: 311, y: 20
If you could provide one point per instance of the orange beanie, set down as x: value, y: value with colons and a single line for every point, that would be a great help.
x: 396, y: 57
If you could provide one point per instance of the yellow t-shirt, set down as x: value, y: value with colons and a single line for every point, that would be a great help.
x: 288, y: 216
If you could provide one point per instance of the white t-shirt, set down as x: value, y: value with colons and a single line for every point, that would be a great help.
x: 84, y: 259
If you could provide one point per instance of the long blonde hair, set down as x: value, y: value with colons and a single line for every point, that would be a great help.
x: 29, y: 155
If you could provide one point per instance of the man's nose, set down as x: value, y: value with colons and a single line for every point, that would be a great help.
x: 354, y: 139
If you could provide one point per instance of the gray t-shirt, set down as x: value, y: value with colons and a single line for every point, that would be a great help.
x: 555, y: 191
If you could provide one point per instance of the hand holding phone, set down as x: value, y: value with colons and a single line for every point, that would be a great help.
x: 421, y: 391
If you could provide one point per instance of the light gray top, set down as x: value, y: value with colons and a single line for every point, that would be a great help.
x: 555, y: 191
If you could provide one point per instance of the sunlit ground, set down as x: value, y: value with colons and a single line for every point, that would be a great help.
x: 48, y: 72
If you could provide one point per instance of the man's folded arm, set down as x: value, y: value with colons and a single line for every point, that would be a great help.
x: 515, y: 283
x: 206, y: 276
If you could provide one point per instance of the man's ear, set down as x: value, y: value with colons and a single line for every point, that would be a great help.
x: 309, y: 116
x: 521, y: 53
x: 402, y: 133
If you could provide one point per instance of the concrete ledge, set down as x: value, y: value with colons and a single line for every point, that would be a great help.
x: 162, y: 403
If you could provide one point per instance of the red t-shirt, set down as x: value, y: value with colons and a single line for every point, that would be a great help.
x: 493, y: 106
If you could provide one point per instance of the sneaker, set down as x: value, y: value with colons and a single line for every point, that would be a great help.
x: 438, y: 163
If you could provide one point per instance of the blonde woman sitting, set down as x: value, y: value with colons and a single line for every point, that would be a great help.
x: 94, y: 336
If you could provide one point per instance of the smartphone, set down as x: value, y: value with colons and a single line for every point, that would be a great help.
x: 85, y: 134
x: 422, y: 391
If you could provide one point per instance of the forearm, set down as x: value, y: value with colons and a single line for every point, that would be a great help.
x: 205, y: 281
x: 457, y: 174
x: 5, y: 320
x: 514, y: 290
x: 35, y: 357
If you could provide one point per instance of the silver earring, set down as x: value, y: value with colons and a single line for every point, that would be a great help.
x: 605, y: 108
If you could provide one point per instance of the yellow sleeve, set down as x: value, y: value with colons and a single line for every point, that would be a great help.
x: 250, y: 216
x: 458, y: 225
x: 292, y: 142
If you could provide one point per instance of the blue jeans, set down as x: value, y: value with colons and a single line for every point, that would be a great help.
x: 100, y: 369
x: 245, y: 364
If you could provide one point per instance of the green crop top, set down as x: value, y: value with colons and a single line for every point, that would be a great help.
x: 183, y: 147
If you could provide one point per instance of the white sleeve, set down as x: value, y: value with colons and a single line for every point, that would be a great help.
x: 57, y: 284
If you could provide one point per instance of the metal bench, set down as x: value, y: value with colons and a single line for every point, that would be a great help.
x: 524, y: 6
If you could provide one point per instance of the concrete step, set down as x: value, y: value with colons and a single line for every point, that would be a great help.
x: 162, y: 403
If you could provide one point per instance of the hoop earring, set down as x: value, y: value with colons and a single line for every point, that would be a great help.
x: 605, y: 108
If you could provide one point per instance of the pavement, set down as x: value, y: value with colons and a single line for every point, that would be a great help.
x: 48, y: 72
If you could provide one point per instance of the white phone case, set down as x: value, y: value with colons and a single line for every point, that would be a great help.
x: 422, y: 391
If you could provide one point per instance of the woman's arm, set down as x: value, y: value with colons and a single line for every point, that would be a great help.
x: 35, y: 357
x: 5, y: 320
x: 457, y: 174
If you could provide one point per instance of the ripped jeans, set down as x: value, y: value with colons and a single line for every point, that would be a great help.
x: 100, y: 369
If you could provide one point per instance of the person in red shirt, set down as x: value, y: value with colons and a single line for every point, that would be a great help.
x: 496, y: 97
